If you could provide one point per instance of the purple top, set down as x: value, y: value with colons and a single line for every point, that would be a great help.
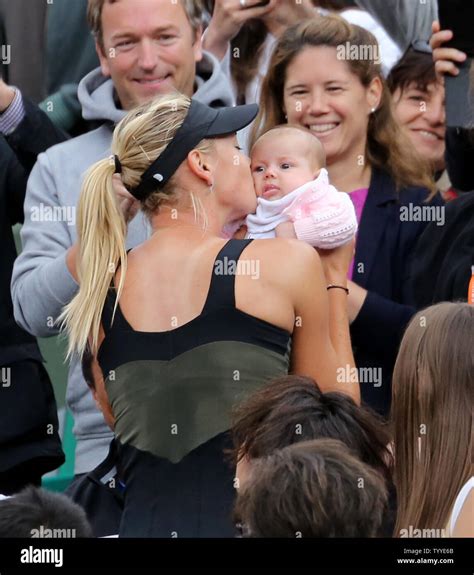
x: 358, y: 198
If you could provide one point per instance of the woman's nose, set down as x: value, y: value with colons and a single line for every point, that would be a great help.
x: 318, y: 103
x: 435, y: 112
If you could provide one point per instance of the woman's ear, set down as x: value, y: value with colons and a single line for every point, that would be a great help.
x: 200, y: 166
x: 374, y: 93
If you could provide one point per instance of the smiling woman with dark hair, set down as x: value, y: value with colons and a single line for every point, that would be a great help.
x: 344, y: 101
x: 419, y: 106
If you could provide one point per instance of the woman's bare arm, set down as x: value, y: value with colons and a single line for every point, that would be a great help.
x: 321, y: 339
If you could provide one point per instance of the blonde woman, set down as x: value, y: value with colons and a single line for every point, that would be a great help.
x: 187, y: 324
x: 432, y: 424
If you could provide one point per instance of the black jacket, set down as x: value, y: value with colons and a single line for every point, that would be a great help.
x: 29, y: 440
x: 100, y: 494
x: 460, y: 158
x: 382, y: 265
x: 445, y: 254
x: 18, y: 154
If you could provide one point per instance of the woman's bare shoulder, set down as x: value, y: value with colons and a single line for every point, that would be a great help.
x: 284, y: 258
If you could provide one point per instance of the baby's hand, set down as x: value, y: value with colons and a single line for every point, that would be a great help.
x: 285, y: 230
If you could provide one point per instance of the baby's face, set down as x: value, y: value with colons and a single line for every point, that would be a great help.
x: 280, y: 164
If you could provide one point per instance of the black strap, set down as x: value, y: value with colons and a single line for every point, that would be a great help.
x: 222, y: 288
x: 107, y: 313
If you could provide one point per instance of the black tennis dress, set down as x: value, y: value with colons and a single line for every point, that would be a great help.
x: 172, y: 394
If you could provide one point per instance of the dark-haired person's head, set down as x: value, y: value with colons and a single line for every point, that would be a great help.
x: 293, y: 409
x: 95, y: 380
x: 312, y: 489
x: 147, y: 47
x: 419, y: 105
x: 35, y: 512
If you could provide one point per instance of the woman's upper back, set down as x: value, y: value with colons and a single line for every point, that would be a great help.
x: 167, y: 281
x: 211, y: 354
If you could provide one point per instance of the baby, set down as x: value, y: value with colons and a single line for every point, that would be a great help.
x: 295, y: 198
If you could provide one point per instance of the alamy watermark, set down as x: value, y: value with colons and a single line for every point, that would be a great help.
x: 423, y: 533
x: 348, y: 374
x: 5, y: 377
x: 412, y: 213
x: 369, y: 52
x: 44, y: 213
x: 34, y: 555
x: 6, y: 54
x: 231, y: 267
x: 47, y: 533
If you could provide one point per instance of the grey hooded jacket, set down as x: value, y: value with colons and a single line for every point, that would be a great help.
x: 41, y: 283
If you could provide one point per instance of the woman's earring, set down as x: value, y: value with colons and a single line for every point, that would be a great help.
x: 373, y: 110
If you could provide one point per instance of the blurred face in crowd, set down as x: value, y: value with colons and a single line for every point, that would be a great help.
x: 421, y: 112
x: 149, y: 48
x: 282, y: 161
x: 322, y: 94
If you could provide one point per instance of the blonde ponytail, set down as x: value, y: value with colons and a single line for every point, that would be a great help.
x: 101, y: 230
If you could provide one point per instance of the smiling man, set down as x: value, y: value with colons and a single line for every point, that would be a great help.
x: 145, y: 47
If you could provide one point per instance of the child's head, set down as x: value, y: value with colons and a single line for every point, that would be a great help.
x: 312, y: 489
x: 283, y: 159
x: 293, y: 409
x: 35, y: 512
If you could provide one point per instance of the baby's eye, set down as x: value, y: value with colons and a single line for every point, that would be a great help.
x: 258, y: 169
x: 285, y: 166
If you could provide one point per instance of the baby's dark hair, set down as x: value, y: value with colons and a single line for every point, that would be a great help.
x: 311, y: 489
x: 50, y: 514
